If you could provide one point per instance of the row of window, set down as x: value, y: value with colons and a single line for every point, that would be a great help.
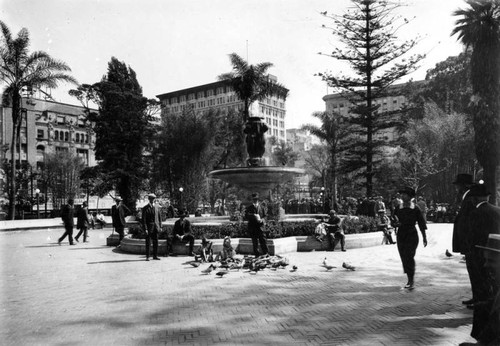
x: 275, y: 122
x: 220, y: 100
x: 273, y: 112
x: 64, y: 136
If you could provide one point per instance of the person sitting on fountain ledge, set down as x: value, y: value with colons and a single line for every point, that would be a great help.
x: 255, y: 214
x: 183, y: 233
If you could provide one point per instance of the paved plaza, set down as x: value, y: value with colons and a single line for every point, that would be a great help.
x: 91, y: 294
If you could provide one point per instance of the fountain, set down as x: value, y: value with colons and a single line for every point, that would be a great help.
x: 255, y: 177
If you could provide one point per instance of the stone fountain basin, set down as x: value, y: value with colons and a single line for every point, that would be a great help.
x: 257, y: 179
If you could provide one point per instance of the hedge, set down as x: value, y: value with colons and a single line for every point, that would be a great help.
x: 274, y: 229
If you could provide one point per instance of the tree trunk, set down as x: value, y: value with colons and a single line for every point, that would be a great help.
x: 490, y: 180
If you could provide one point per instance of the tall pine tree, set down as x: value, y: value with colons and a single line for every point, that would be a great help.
x: 122, y: 129
x: 368, y: 31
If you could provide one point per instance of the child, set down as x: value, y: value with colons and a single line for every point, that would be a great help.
x: 205, y: 250
x: 383, y: 225
x: 227, y: 252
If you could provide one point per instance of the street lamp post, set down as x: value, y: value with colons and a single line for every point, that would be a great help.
x: 181, y: 189
x: 323, y: 198
x: 37, y: 191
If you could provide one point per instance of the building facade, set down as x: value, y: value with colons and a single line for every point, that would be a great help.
x: 220, y: 95
x: 48, y: 127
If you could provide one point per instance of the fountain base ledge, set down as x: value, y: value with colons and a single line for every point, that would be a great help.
x: 244, y: 245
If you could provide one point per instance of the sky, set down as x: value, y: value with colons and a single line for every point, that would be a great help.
x: 177, y: 44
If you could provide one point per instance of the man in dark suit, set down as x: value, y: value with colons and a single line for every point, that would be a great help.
x: 68, y: 215
x: 255, y: 214
x: 118, y: 213
x: 151, y: 220
x: 484, y: 220
x: 461, y: 230
x: 82, y: 222
x: 182, y: 231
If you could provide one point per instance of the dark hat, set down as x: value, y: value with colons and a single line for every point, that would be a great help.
x: 408, y: 190
x: 332, y: 212
x: 184, y: 212
x: 493, y: 244
x: 478, y: 190
x: 255, y: 196
x: 463, y: 179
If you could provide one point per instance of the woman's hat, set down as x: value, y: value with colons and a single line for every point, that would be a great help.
x: 463, y: 179
x: 255, y: 196
x: 408, y: 190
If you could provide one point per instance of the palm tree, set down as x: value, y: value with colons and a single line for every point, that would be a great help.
x: 334, y: 132
x: 479, y: 30
x: 20, y: 70
x: 251, y: 82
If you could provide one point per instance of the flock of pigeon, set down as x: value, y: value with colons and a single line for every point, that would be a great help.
x: 256, y: 264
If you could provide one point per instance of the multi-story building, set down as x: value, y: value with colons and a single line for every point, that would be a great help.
x: 220, y: 95
x: 48, y: 127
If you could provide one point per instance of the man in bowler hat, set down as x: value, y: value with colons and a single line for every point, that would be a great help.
x: 151, y: 219
x: 461, y: 230
x: 182, y: 231
x: 118, y: 213
x: 68, y: 215
x: 256, y: 215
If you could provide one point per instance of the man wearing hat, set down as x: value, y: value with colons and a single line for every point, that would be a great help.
x: 151, y: 219
x: 335, y: 231
x: 82, y: 222
x: 118, y: 213
x: 484, y: 220
x: 407, y: 238
x: 461, y: 230
x: 486, y: 321
x: 182, y: 231
x: 256, y: 214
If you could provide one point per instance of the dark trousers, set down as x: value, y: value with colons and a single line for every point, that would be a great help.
x: 187, y: 238
x: 335, y: 238
x: 83, y: 230
x: 152, y: 236
x: 407, y: 247
x: 480, y: 278
x: 121, y: 231
x: 69, y: 233
x: 258, y: 237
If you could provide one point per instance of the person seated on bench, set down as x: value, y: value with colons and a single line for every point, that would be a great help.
x: 183, y: 233
x: 335, y: 231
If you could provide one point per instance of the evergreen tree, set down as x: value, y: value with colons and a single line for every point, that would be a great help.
x: 122, y: 131
x: 368, y: 30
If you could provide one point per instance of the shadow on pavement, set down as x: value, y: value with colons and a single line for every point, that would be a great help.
x: 116, y: 261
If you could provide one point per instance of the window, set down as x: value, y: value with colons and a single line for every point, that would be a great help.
x: 56, y: 135
x: 86, y: 138
x: 77, y: 138
x: 84, y: 155
x: 60, y: 119
x: 66, y: 136
x: 40, y: 153
x: 40, y: 134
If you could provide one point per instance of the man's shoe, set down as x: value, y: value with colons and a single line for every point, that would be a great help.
x: 156, y: 258
x: 72, y: 244
x: 77, y: 240
x: 468, y: 302
x: 147, y: 259
x: 59, y: 242
x: 344, y: 250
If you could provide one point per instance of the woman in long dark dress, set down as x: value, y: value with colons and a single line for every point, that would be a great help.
x: 408, y: 216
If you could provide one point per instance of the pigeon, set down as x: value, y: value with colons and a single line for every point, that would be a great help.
x: 328, y: 267
x: 348, y: 266
x: 195, y: 264
x: 447, y: 253
x: 222, y: 273
x: 208, y: 270
x: 294, y: 268
x: 325, y: 262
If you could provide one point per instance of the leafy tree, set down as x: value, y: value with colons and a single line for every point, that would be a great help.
x: 251, y: 82
x: 368, y: 30
x: 21, y: 70
x: 122, y: 129
x: 478, y: 28
x: 282, y: 153
x: 334, y: 132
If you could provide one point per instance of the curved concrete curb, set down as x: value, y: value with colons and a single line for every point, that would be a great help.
x: 244, y: 245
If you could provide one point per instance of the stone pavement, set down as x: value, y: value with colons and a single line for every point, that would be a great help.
x: 90, y: 294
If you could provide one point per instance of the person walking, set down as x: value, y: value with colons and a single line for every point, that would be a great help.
x: 408, y: 216
x: 67, y: 216
x: 151, y: 220
x: 118, y: 213
x: 82, y: 222
x: 255, y: 213
x: 183, y: 232
x: 461, y: 230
